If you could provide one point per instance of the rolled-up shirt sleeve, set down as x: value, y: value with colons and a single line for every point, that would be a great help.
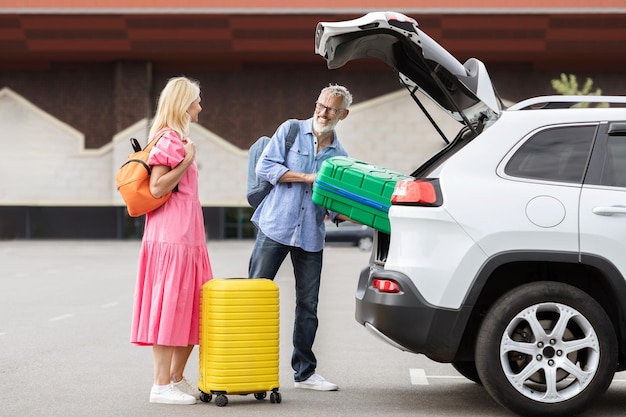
x: 271, y: 164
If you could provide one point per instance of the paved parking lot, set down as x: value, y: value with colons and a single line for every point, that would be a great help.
x: 65, y: 311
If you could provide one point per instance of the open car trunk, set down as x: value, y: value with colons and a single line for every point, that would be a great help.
x: 464, y: 91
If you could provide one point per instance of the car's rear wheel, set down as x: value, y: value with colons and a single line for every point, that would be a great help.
x: 546, y: 349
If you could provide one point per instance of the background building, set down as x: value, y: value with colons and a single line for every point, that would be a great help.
x: 76, y: 82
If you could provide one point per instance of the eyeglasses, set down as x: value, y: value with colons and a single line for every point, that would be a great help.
x: 331, y: 110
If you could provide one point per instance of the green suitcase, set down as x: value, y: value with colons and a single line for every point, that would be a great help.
x: 357, y: 189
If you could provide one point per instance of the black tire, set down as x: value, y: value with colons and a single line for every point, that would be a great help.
x: 525, y: 356
x: 260, y: 395
x: 204, y: 397
x: 221, y: 400
x: 468, y: 370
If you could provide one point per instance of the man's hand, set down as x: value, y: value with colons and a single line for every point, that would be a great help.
x: 345, y: 218
x: 309, y: 178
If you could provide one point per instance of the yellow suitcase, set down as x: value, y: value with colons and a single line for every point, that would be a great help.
x: 239, y: 339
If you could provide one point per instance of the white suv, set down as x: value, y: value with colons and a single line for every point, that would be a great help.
x: 507, y: 253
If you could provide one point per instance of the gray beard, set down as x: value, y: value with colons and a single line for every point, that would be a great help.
x: 324, y: 129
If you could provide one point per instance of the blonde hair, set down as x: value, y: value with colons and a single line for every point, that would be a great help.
x: 179, y: 93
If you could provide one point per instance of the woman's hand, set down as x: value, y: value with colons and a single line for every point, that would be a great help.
x: 163, y: 178
x: 190, y: 149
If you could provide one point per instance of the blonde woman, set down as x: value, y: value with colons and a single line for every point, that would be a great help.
x: 173, y: 261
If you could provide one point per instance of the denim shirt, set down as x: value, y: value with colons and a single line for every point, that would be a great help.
x: 287, y: 215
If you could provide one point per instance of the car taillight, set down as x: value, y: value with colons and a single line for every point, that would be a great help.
x: 386, y: 285
x: 417, y: 193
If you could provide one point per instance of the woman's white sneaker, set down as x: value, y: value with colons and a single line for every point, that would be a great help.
x: 184, y: 386
x: 171, y: 395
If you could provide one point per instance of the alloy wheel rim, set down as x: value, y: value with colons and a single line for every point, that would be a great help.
x: 549, y: 352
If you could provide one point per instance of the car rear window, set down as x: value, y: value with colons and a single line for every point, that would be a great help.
x: 555, y: 154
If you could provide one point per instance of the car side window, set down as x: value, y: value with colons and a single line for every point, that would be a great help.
x: 555, y: 154
x: 614, y: 168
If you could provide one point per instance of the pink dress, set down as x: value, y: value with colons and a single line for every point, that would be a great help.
x: 173, y: 261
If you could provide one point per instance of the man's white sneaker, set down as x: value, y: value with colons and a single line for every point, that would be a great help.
x: 316, y: 382
x: 184, y: 386
x: 171, y: 395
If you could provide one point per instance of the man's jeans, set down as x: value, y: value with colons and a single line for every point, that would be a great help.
x: 266, y: 258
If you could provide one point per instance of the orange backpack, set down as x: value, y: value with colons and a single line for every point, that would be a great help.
x: 133, y: 181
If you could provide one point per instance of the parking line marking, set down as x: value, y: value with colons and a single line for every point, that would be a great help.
x: 418, y: 376
x: 446, y: 377
x: 61, y: 317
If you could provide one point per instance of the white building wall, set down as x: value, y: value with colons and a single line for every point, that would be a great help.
x: 43, y: 161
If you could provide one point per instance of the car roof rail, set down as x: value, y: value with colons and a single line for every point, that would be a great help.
x: 565, y: 102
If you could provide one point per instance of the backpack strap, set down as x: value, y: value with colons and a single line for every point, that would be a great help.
x: 294, y: 126
x: 157, y: 136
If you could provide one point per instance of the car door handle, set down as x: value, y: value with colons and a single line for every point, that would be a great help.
x: 609, y: 211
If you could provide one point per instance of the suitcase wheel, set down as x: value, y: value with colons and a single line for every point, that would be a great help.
x: 260, y: 395
x: 204, y: 397
x: 275, y: 397
x: 221, y: 400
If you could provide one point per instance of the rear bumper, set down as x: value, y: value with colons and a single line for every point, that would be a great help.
x: 406, y: 321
